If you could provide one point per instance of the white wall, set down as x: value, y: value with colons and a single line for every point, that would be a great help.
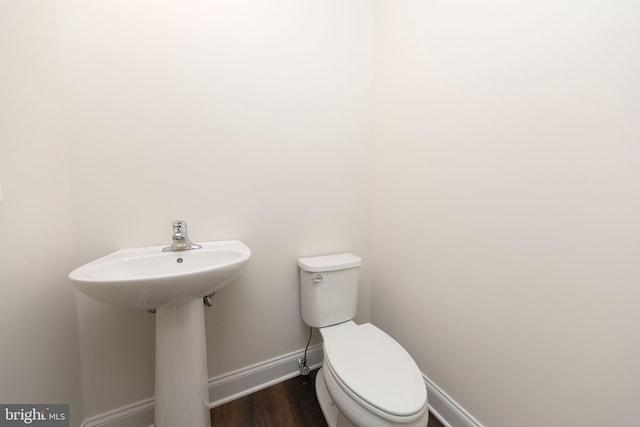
x: 505, y: 172
x: 39, y: 351
x: 251, y: 120
x: 506, y: 204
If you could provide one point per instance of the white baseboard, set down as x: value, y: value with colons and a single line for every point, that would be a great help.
x: 222, y: 389
x: 134, y: 415
x: 447, y: 410
x: 236, y: 384
x: 242, y: 382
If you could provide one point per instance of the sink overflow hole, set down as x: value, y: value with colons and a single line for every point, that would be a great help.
x: 179, y: 260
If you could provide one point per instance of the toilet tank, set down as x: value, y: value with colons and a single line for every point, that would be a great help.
x: 329, y: 288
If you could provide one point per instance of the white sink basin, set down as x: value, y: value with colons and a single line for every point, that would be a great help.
x: 149, y: 278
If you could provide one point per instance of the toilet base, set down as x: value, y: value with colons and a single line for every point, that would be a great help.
x: 331, y: 413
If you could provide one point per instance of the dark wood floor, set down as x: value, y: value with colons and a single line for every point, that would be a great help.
x: 289, y: 404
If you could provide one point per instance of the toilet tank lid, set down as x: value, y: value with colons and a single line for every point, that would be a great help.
x: 329, y: 262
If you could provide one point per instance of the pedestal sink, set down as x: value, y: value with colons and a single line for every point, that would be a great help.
x: 173, y: 283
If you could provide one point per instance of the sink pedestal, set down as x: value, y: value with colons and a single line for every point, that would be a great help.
x: 182, y: 378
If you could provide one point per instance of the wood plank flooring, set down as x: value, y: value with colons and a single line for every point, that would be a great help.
x: 291, y: 403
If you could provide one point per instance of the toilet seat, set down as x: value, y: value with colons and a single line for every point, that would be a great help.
x: 374, y: 370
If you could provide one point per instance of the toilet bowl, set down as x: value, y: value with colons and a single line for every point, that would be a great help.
x: 371, y: 379
x: 367, y: 379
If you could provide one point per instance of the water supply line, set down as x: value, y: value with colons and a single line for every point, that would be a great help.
x: 302, y: 362
x: 207, y: 299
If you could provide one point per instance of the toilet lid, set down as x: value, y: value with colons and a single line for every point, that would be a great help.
x: 375, y: 368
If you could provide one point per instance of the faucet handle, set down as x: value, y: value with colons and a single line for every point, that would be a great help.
x: 179, y: 226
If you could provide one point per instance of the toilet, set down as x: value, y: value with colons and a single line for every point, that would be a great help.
x: 367, y: 379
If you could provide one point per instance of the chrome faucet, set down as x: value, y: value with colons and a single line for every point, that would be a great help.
x: 180, y: 238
